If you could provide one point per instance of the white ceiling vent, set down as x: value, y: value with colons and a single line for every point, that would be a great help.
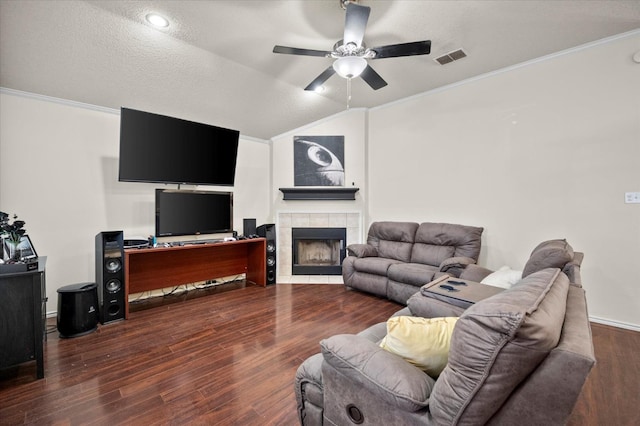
x: 450, y: 57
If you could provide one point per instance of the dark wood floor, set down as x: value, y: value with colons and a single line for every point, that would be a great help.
x: 230, y: 358
x: 611, y: 395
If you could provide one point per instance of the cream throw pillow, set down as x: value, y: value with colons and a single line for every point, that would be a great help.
x: 504, y: 277
x: 424, y: 342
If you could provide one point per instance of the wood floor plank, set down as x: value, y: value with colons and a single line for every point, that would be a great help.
x: 229, y: 358
x: 611, y: 395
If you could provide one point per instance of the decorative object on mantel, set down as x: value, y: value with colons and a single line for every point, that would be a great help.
x: 18, y: 252
x: 318, y: 160
x: 326, y: 193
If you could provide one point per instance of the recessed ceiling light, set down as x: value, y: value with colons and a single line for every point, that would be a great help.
x: 157, y: 20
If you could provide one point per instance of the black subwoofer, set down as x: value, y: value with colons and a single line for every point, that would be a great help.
x: 77, y: 309
x: 110, y: 275
x: 268, y: 231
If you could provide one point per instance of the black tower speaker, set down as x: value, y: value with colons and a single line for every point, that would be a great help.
x: 268, y: 231
x: 249, y: 227
x: 110, y: 275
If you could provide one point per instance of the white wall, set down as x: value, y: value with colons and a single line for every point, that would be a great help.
x: 59, y: 173
x: 541, y: 151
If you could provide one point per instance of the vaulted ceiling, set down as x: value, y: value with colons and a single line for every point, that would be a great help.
x: 214, y: 63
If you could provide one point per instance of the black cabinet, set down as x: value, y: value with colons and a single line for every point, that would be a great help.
x: 22, y: 317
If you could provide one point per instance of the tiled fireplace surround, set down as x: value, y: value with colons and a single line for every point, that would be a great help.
x: 352, y: 221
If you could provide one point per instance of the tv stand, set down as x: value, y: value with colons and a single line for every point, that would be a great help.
x: 148, y: 269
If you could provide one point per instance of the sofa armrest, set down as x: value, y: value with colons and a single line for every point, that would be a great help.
x: 385, y: 375
x: 362, y: 250
x: 428, y: 307
x: 475, y: 273
x: 455, y: 265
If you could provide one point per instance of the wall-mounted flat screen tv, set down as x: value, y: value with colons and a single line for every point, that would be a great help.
x: 161, y: 149
x: 182, y: 212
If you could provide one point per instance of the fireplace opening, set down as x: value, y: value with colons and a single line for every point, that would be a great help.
x: 318, y: 251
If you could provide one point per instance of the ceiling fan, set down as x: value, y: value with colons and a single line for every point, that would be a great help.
x: 351, y: 53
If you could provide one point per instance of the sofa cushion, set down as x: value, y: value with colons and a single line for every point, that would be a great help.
x: 435, y: 242
x: 412, y: 273
x: 395, y: 250
x: 431, y: 254
x: 548, y: 254
x: 373, y: 265
x: 393, y: 240
x: 496, y: 344
x: 424, y: 342
x: 561, y: 374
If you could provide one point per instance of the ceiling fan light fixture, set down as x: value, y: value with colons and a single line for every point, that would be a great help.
x: 344, y: 3
x: 157, y: 20
x: 349, y: 66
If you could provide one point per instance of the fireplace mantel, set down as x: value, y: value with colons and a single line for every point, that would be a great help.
x: 317, y: 193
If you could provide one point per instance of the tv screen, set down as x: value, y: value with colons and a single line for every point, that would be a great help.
x: 157, y: 148
x: 181, y: 212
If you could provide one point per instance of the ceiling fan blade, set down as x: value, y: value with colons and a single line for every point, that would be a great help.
x: 403, y: 49
x: 296, y: 51
x: 372, y: 78
x: 355, y: 23
x: 321, y: 79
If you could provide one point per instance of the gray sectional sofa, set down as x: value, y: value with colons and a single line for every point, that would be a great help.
x: 518, y: 357
x: 548, y: 254
x: 400, y: 257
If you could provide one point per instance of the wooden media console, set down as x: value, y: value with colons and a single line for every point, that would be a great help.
x: 160, y: 267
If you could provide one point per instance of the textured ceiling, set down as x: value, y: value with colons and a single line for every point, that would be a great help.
x: 215, y: 63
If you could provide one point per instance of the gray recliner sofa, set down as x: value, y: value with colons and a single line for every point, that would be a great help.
x: 548, y: 254
x: 518, y: 357
x: 400, y: 257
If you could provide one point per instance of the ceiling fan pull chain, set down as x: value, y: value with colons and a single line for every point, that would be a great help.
x: 348, y: 92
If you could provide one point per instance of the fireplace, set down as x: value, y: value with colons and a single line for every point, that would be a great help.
x: 318, y: 251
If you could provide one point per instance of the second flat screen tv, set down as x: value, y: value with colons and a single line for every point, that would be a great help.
x: 157, y: 148
x: 180, y: 212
